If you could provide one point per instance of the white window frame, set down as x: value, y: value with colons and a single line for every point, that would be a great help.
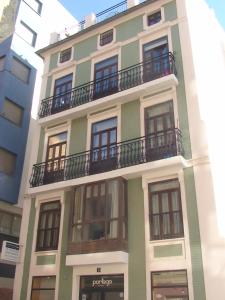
x: 109, y: 44
x: 68, y: 61
x: 146, y: 15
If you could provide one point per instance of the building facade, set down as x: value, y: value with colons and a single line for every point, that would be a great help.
x: 22, y: 32
x: 120, y: 199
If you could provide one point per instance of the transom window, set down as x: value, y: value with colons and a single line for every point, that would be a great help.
x: 106, y: 37
x: 171, y: 285
x: 100, y: 212
x: 43, y: 288
x: 154, y: 18
x: 48, y: 226
x: 65, y: 55
x: 165, y: 210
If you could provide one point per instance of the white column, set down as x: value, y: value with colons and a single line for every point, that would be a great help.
x: 131, y: 3
x: 90, y: 20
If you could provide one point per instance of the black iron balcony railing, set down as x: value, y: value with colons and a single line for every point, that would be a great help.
x: 137, y: 151
x: 111, y: 11
x: 114, y: 83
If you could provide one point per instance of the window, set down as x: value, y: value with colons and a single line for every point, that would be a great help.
x: 171, y: 285
x: 20, y: 70
x: 165, y: 210
x: 160, y: 131
x: 156, y: 59
x: 106, y: 37
x: 100, y: 212
x: 48, y: 226
x: 106, y: 77
x: 55, y: 158
x: 62, y: 93
x: 103, y: 145
x: 154, y: 18
x: 28, y: 34
x: 65, y: 55
x: 43, y: 288
x: 7, y: 162
x: 2, y: 63
x: 12, y: 112
x: 9, y: 223
x: 36, y: 5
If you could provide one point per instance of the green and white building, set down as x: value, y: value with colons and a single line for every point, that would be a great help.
x: 125, y: 199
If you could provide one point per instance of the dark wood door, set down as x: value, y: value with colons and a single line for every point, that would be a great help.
x: 55, y: 158
x: 160, y: 131
x: 62, y: 94
x: 106, y: 77
x: 156, y: 60
x: 103, y: 146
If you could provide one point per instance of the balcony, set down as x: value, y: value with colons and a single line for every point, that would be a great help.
x: 117, y: 82
x: 133, y: 152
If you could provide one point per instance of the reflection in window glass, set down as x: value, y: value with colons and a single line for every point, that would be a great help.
x: 12, y: 112
x: 20, y: 70
x: 7, y: 162
x: 28, y: 34
x: 9, y: 223
x: 43, y: 288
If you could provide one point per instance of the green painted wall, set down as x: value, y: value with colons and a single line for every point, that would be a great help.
x: 78, y: 135
x: 170, y: 11
x: 168, y: 250
x: 181, y: 93
x: 53, y: 61
x: 194, y: 235
x: 83, y: 73
x: 130, y: 120
x: 129, y: 29
x: 48, y: 87
x: 41, y: 145
x: 130, y: 54
x: 136, y: 241
x: 85, y: 48
x: 27, y: 257
x: 46, y: 260
x: 66, y: 273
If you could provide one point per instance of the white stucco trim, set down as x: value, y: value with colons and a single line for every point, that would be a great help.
x: 116, y: 257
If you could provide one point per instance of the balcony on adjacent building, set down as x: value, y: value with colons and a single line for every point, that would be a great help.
x: 152, y: 147
x: 133, y: 76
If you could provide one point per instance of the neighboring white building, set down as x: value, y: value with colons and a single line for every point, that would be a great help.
x: 128, y: 163
x: 25, y: 27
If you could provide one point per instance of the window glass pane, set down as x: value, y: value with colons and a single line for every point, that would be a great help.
x: 50, y: 205
x: 164, y: 185
x: 106, y: 63
x: 6, y: 222
x: 106, y: 37
x: 59, y: 138
x: 16, y: 222
x: 154, y: 18
x: 36, y: 5
x: 43, y: 295
x: 65, y: 55
x: 103, y: 125
x: 159, y: 109
x: 20, y: 70
x: 155, y: 204
x: 44, y: 282
x: 169, y: 278
x: 12, y: 112
x: 113, y: 200
x: 7, y: 162
x: 112, y: 229
x: 155, y: 44
x: 2, y: 62
x: 27, y: 34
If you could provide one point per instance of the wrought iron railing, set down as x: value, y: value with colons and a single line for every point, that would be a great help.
x: 112, y: 11
x: 114, y: 83
x: 137, y: 151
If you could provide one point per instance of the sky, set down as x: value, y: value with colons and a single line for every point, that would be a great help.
x: 80, y: 8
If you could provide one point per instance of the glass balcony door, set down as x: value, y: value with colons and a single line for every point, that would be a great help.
x: 160, y: 133
x: 106, y: 77
x: 156, y: 59
x: 62, y: 94
x: 103, y: 146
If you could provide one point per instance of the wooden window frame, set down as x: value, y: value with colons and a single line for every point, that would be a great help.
x: 172, y: 235
x: 41, y: 289
x: 57, y: 211
x: 106, y: 37
x: 105, y: 243
x: 168, y: 286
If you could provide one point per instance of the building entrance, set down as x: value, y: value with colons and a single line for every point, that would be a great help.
x: 106, y: 287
